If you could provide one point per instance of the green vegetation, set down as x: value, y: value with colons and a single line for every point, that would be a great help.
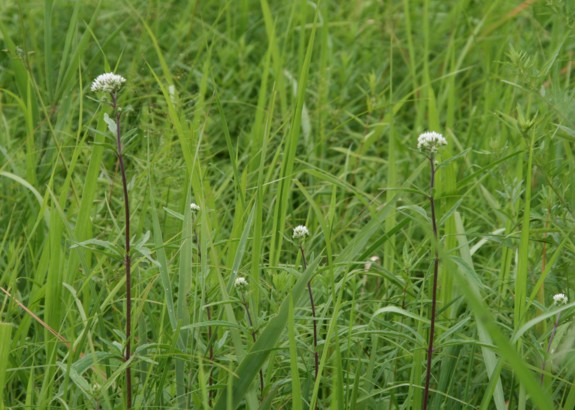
x: 269, y: 115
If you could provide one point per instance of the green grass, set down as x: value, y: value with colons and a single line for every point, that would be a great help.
x: 270, y: 115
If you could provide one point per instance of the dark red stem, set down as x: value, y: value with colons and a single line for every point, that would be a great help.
x: 253, y: 332
x: 127, y: 261
x: 315, y: 352
x: 434, y: 288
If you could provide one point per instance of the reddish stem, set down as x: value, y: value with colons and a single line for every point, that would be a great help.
x: 127, y: 261
x: 254, y: 338
x: 434, y: 288
x: 315, y: 352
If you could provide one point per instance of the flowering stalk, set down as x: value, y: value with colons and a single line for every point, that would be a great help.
x: 111, y: 83
x: 300, y: 232
x: 241, y: 285
x: 429, y: 142
x: 195, y: 208
x: 558, y: 299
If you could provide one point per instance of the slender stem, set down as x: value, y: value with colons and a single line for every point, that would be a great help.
x: 253, y: 332
x: 211, y: 392
x: 37, y: 319
x: 541, y: 292
x: 315, y: 352
x: 127, y: 261
x: 211, y: 378
x: 434, y: 288
x: 549, y: 347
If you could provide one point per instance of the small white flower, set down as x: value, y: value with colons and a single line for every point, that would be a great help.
x: 194, y: 207
x: 373, y: 260
x: 300, y: 232
x: 560, y: 299
x: 241, y: 283
x: 430, y: 141
x: 96, y: 389
x: 108, y: 83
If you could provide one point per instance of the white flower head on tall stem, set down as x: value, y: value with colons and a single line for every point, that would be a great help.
x: 430, y: 142
x: 241, y: 284
x: 194, y: 207
x: 108, y: 83
x: 300, y: 232
x: 560, y: 299
x: 373, y: 260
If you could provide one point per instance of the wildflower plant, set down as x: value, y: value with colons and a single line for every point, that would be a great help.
x: 195, y: 210
x: 242, y: 286
x: 111, y: 83
x: 300, y: 233
x: 429, y: 143
x: 559, y: 299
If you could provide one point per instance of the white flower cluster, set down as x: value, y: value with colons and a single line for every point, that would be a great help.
x: 430, y: 141
x: 300, y: 232
x: 195, y: 207
x: 241, y: 283
x: 108, y: 83
x: 560, y: 299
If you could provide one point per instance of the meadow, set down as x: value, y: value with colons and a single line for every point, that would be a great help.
x: 290, y: 245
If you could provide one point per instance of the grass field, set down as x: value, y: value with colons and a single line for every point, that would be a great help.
x: 269, y: 115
